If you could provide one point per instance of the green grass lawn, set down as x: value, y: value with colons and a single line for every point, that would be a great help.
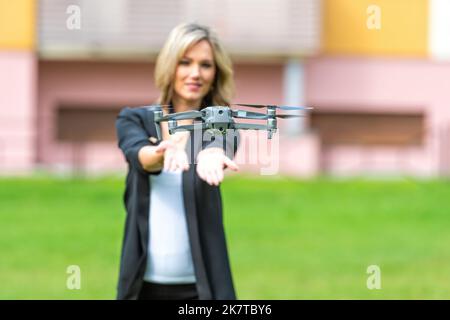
x: 287, y: 239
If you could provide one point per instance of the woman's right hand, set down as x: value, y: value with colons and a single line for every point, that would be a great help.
x: 175, y: 157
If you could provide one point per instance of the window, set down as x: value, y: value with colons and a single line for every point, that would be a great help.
x: 81, y: 124
x: 396, y: 129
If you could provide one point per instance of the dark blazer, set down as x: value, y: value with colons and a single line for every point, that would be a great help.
x: 202, y: 202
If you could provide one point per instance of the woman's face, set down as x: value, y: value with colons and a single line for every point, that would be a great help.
x: 194, y: 74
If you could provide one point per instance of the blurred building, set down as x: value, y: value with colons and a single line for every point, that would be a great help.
x: 380, y: 89
x: 375, y: 71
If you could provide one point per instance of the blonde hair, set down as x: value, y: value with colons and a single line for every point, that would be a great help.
x: 180, y: 39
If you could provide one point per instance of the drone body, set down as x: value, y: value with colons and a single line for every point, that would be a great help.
x: 221, y: 118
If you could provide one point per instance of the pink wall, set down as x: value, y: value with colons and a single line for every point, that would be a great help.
x: 17, y: 111
x: 89, y: 83
x: 388, y: 85
x: 284, y: 154
x: 117, y: 83
x: 358, y: 84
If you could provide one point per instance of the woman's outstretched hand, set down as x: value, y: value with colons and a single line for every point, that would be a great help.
x: 175, y: 157
x: 211, y: 164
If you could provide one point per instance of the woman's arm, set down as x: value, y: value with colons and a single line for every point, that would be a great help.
x: 168, y: 155
x: 132, y: 136
x: 217, y: 155
x: 141, y: 152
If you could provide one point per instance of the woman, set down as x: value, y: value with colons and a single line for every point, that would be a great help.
x: 174, y: 245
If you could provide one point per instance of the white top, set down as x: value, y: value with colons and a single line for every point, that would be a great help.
x: 169, y: 258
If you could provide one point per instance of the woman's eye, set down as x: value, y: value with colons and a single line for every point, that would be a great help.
x: 206, y: 65
x: 184, y: 62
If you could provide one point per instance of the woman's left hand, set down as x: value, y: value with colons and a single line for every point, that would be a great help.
x: 211, y: 164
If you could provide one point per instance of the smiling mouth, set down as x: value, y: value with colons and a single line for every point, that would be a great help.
x: 193, y: 87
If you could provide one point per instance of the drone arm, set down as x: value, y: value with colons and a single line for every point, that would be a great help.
x: 159, y: 117
x: 253, y: 126
x: 250, y: 126
x: 188, y: 127
x: 158, y: 131
x: 191, y: 114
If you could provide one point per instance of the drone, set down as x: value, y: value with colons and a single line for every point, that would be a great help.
x: 220, y: 118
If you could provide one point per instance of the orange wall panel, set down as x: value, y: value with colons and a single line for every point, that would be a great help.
x: 403, y: 27
x: 17, y: 24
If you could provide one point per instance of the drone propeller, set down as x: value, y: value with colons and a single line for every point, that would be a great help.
x: 260, y: 116
x: 193, y: 114
x: 272, y: 106
x: 163, y: 106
